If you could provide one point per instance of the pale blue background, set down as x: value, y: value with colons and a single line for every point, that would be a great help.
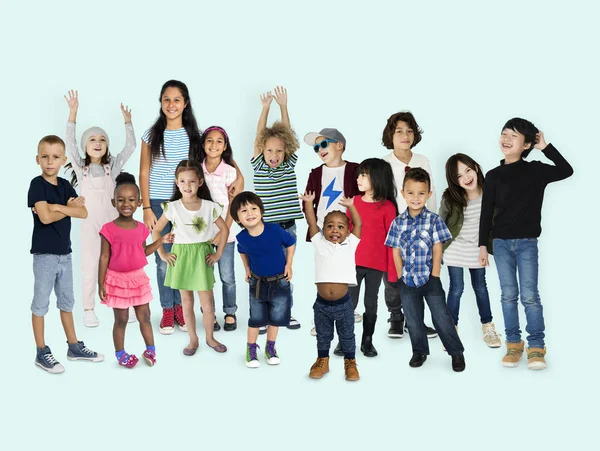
x: 463, y: 68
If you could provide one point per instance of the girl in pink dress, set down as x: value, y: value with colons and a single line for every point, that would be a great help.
x: 122, y: 282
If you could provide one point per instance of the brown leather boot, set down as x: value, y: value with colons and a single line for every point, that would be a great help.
x: 350, y: 370
x: 320, y: 368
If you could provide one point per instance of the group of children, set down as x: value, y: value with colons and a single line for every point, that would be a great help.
x: 372, y: 222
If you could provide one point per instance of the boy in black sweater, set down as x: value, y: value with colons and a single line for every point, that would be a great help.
x: 511, y: 208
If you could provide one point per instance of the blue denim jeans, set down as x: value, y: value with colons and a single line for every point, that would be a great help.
x: 340, y: 314
x: 227, y: 276
x: 168, y: 296
x: 414, y: 308
x: 51, y: 271
x: 291, y: 231
x: 457, y: 286
x: 512, y: 257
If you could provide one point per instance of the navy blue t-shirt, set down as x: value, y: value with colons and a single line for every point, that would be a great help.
x: 54, y: 238
x: 265, y: 250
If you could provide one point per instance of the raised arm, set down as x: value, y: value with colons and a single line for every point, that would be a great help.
x: 561, y: 169
x: 145, y: 160
x: 119, y: 161
x: 70, y: 138
x: 348, y: 202
x: 282, y: 100
x: 309, y: 211
x: 265, y: 100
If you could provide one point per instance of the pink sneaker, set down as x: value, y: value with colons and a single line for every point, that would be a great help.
x: 149, y: 357
x: 128, y: 360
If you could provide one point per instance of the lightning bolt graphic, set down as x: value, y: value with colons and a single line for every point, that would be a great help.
x: 331, y: 193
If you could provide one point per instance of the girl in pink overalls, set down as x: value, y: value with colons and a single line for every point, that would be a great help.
x: 95, y: 174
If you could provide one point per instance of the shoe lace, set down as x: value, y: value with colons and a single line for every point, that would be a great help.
x: 86, y: 350
x: 271, y: 350
x: 491, y: 333
x: 513, y: 351
x: 178, y: 313
x: 167, y: 316
x: 252, y: 351
x: 49, y: 358
x: 349, y: 364
x: 535, y: 354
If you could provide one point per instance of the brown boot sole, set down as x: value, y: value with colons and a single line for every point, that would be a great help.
x: 318, y: 377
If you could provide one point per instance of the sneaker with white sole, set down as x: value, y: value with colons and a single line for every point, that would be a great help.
x: 490, y: 336
x: 167, y: 322
x: 90, y: 319
x: 79, y: 351
x: 294, y: 323
x: 46, y: 361
x: 132, y: 318
x: 357, y: 317
x: 271, y: 354
x: 252, y: 355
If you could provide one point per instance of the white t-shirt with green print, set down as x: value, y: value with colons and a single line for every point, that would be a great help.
x: 192, y: 227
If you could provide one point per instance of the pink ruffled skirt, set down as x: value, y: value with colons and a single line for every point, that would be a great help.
x: 127, y: 289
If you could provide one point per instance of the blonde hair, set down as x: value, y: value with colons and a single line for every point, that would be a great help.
x: 282, y: 132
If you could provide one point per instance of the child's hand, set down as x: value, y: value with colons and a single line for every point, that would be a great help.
x: 483, y: 256
x: 346, y: 202
x: 288, y: 272
x: 540, y: 142
x: 73, y: 100
x: 308, y: 196
x: 266, y: 99
x: 126, y: 113
x: 149, y: 218
x: 168, y: 238
x: 248, y: 274
x: 34, y: 210
x: 76, y: 201
x: 169, y: 259
x: 211, y: 259
x: 102, y: 292
x: 281, y: 95
x: 236, y: 187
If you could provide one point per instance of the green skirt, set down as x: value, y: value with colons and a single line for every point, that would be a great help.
x: 191, y: 271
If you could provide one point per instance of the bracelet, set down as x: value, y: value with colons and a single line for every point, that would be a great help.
x: 146, y: 208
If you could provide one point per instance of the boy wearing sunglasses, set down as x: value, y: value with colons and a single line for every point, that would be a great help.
x: 331, y: 182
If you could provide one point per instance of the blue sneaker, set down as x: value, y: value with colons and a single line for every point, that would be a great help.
x: 79, y: 351
x: 46, y: 361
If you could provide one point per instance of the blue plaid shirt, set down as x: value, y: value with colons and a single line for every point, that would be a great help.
x: 415, y: 237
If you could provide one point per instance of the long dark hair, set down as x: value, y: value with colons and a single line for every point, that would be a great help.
x: 157, y: 131
x: 87, y: 161
x: 227, y: 154
x: 191, y: 165
x: 455, y: 195
x: 382, y: 179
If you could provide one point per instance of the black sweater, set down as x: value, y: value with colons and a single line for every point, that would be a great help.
x: 513, y: 194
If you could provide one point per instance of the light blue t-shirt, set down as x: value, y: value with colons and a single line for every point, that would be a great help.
x: 162, y: 169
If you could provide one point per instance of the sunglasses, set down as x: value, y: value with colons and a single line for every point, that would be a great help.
x: 323, y: 144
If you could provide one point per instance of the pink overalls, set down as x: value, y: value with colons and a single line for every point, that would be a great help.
x: 98, y: 193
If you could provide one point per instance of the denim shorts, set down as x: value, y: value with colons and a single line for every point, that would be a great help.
x: 273, y: 306
x: 52, y: 271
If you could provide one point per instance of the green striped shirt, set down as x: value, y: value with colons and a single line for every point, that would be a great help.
x: 278, y: 189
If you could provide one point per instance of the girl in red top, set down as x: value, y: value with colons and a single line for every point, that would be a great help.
x: 122, y: 282
x: 377, y: 207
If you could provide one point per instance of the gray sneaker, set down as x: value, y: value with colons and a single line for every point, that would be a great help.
x: 46, y: 361
x: 79, y: 351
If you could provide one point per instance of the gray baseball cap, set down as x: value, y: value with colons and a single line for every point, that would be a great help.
x: 329, y: 133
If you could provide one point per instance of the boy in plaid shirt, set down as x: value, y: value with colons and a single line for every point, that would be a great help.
x: 416, y: 237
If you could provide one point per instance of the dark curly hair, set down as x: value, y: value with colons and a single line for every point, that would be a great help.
x: 387, y: 138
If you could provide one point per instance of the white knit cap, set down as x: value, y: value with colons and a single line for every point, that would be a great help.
x: 90, y: 132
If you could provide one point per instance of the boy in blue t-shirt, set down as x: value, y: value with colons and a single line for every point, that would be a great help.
x: 53, y: 202
x: 268, y: 271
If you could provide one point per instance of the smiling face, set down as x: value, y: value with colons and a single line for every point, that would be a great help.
x: 127, y: 200
x: 336, y: 227
x: 467, y: 177
x: 404, y: 136
x: 364, y: 183
x: 96, y: 147
x: 172, y: 103
x: 332, y: 154
x: 249, y: 216
x: 214, y: 144
x: 51, y: 157
x: 416, y: 194
x: 188, y: 183
x: 274, y: 152
x: 512, y: 144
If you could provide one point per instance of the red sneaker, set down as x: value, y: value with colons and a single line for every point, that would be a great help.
x: 179, y: 320
x: 167, y: 326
